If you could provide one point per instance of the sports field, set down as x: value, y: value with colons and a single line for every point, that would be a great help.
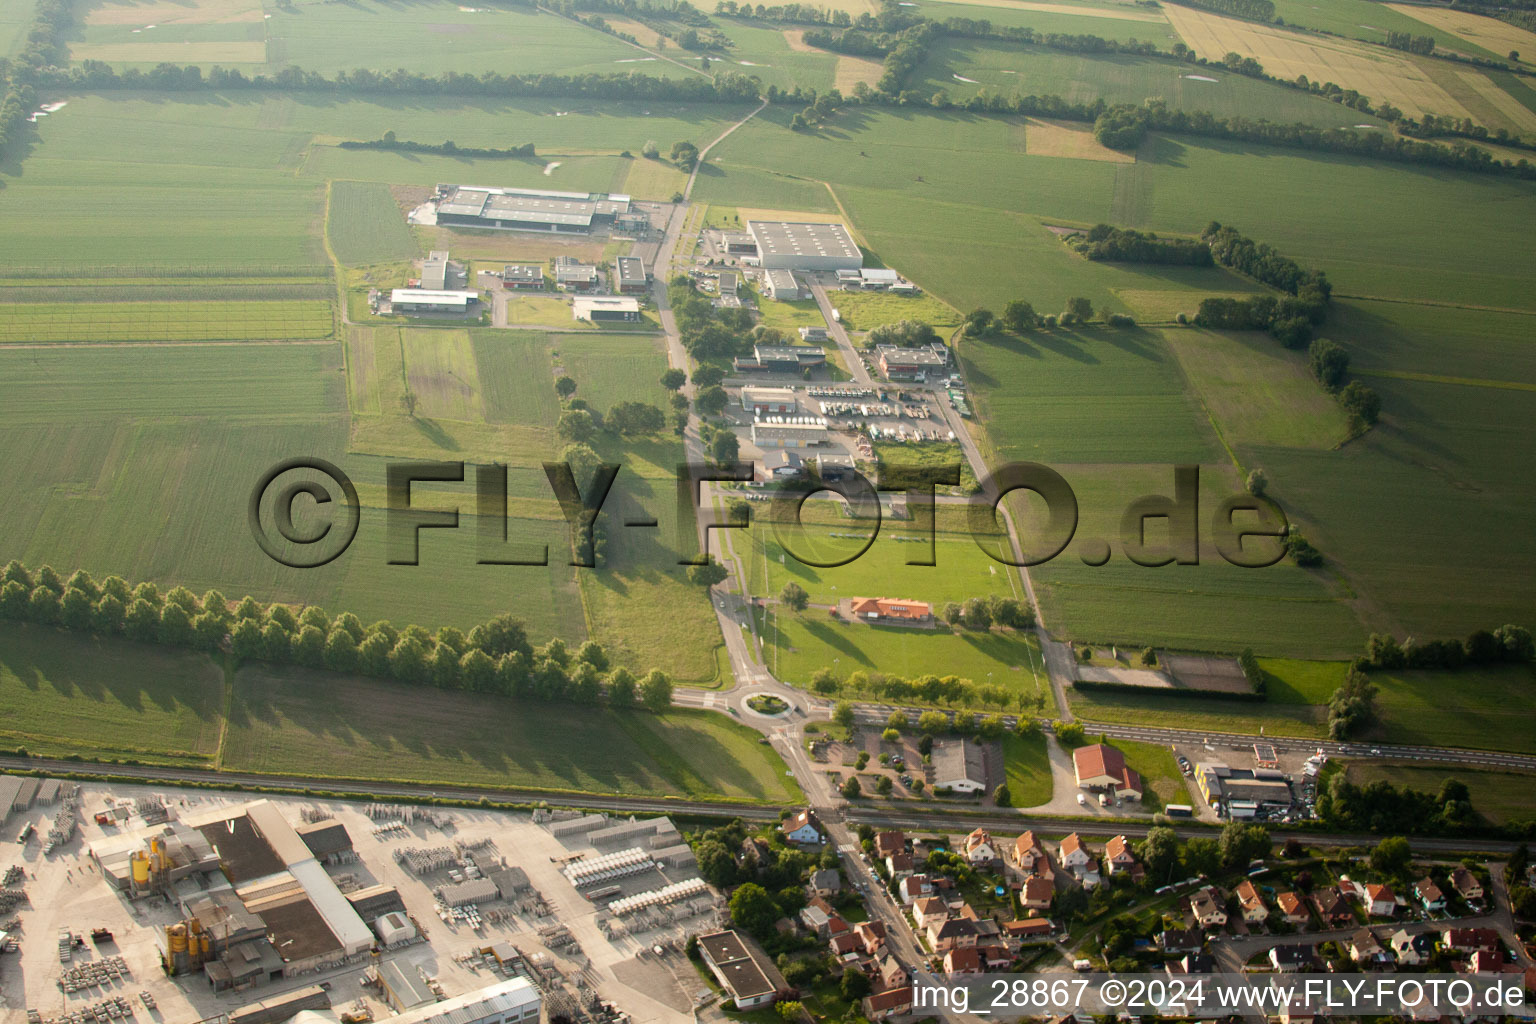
x: 347, y: 727
x: 58, y: 696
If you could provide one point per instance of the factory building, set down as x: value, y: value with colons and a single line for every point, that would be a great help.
x: 769, y: 400
x: 523, y: 209
x: 781, y: 359
x: 769, y: 434
x: 418, y: 300
x: 741, y: 968
x: 738, y: 243
x: 781, y: 286
x: 606, y: 308
x: 507, y: 1002
x: 783, y: 245
x: 897, y: 363
x: 1242, y: 789
x: 522, y: 277
x: 434, y: 271
x: 629, y: 276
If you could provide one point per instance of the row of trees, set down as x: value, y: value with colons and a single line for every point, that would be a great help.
x: 449, y: 148
x: 1508, y: 643
x: 1263, y: 262
x: 1330, y: 365
x: 982, y: 613
x: 1019, y: 316
x: 1380, y: 806
x: 1127, y: 245
x: 494, y: 657
x: 1166, y: 857
x: 1407, y: 41
x: 950, y: 690
x: 1352, y: 707
x: 1253, y: 10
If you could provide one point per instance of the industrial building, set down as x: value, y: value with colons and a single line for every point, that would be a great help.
x: 256, y: 903
x: 959, y: 765
x: 654, y: 833
x: 783, y: 464
x: 813, y: 334
x: 738, y: 243
x: 403, y: 986
x: 327, y: 839
x: 525, y: 209
x: 781, y: 286
x: 522, y: 277
x: 418, y: 300
x: 572, y: 275
x: 772, y: 433
x: 434, y: 271
x: 1100, y: 767
x: 742, y: 968
x: 1242, y: 791
x: 609, y: 308
x: 765, y: 400
x: 897, y: 363
x: 781, y: 359
x: 729, y: 282
x: 507, y: 1002
x: 782, y: 245
x: 629, y: 276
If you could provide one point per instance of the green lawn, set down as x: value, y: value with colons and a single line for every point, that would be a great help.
x: 1159, y: 773
x: 348, y: 727
x: 864, y: 311
x: 1028, y: 765
x: 797, y: 645
x: 64, y: 693
x: 1477, y: 708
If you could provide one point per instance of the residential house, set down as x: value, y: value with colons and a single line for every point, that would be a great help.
x: 1332, y: 906
x: 1030, y: 929
x: 1380, y: 900
x: 1429, y: 895
x: 837, y: 925
x: 1252, y: 904
x: 980, y: 851
x: 1078, y: 861
x: 929, y: 911
x: 951, y: 933
x: 804, y: 828
x: 1293, y: 909
x: 1181, y: 940
x: 1296, y: 1010
x: 891, y: 1002
x: 871, y: 936
x: 816, y: 920
x: 1289, y: 959
x: 963, y: 960
x: 1029, y: 856
x: 899, y: 864
x: 826, y: 881
x: 1208, y: 907
x: 1489, y: 962
x: 1036, y: 893
x: 889, y: 973
x: 845, y: 946
x: 887, y: 843
x: 1101, y: 767
x: 1411, y: 950
x: 1466, y: 885
x: 1118, y: 858
x: 1193, y: 963
x: 1468, y: 940
x: 1367, y: 951
x: 994, y: 957
x: 913, y: 888
x: 755, y: 854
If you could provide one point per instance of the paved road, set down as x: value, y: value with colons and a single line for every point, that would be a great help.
x: 840, y: 335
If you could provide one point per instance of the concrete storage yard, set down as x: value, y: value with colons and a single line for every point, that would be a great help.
x: 541, y: 926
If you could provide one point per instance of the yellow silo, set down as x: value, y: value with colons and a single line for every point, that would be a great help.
x: 207, y: 947
x: 176, y: 937
x: 140, y: 862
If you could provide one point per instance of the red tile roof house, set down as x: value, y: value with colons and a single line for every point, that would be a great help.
x: 899, y: 864
x: 914, y: 887
x: 980, y: 851
x: 1102, y: 767
x: 872, y: 935
x: 1118, y: 857
x: 1029, y: 856
x: 803, y: 828
x: 1467, y: 940
x: 889, y: 609
x: 951, y: 934
x: 1031, y: 929
x: 1076, y: 859
x: 966, y: 960
x: 1037, y: 893
x: 889, y: 1003
x: 1380, y: 901
x: 1254, y: 910
x: 887, y: 843
x: 1293, y: 908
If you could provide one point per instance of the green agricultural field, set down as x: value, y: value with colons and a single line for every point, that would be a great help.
x: 349, y: 727
x: 1017, y: 69
x: 799, y: 645
x: 1500, y: 797
x: 1474, y: 708
x: 440, y: 36
x: 15, y: 17
x: 364, y: 225
x: 1028, y: 765
x: 63, y: 693
x: 864, y: 311
x: 165, y: 321
x: 1364, y: 19
x: 1303, y: 720
x: 1095, y: 19
x: 1258, y: 392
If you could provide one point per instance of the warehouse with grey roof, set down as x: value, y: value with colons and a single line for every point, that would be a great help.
x: 784, y: 245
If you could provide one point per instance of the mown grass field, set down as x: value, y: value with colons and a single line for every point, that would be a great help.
x: 864, y: 311
x: 364, y: 225
x: 284, y: 720
x: 1027, y: 763
x: 1364, y: 19
x: 799, y: 644
x: 63, y: 693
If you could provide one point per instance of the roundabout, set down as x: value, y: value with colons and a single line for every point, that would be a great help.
x: 767, y: 705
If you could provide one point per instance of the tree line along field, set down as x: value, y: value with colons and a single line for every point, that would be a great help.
x: 76, y: 694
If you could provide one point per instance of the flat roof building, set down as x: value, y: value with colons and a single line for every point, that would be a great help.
x: 782, y: 358
x: 788, y: 435
x: 959, y: 765
x: 573, y: 275
x: 775, y: 400
x: 1237, y: 787
x: 786, y: 245
x: 898, y: 363
x: 738, y: 243
x: 742, y: 968
x: 507, y: 1002
x: 600, y: 308
x: 420, y: 300
x: 525, y: 277
x: 434, y: 271
x: 781, y: 286
x: 629, y: 275
x: 515, y: 209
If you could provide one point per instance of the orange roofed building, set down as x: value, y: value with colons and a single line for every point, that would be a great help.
x: 875, y: 608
